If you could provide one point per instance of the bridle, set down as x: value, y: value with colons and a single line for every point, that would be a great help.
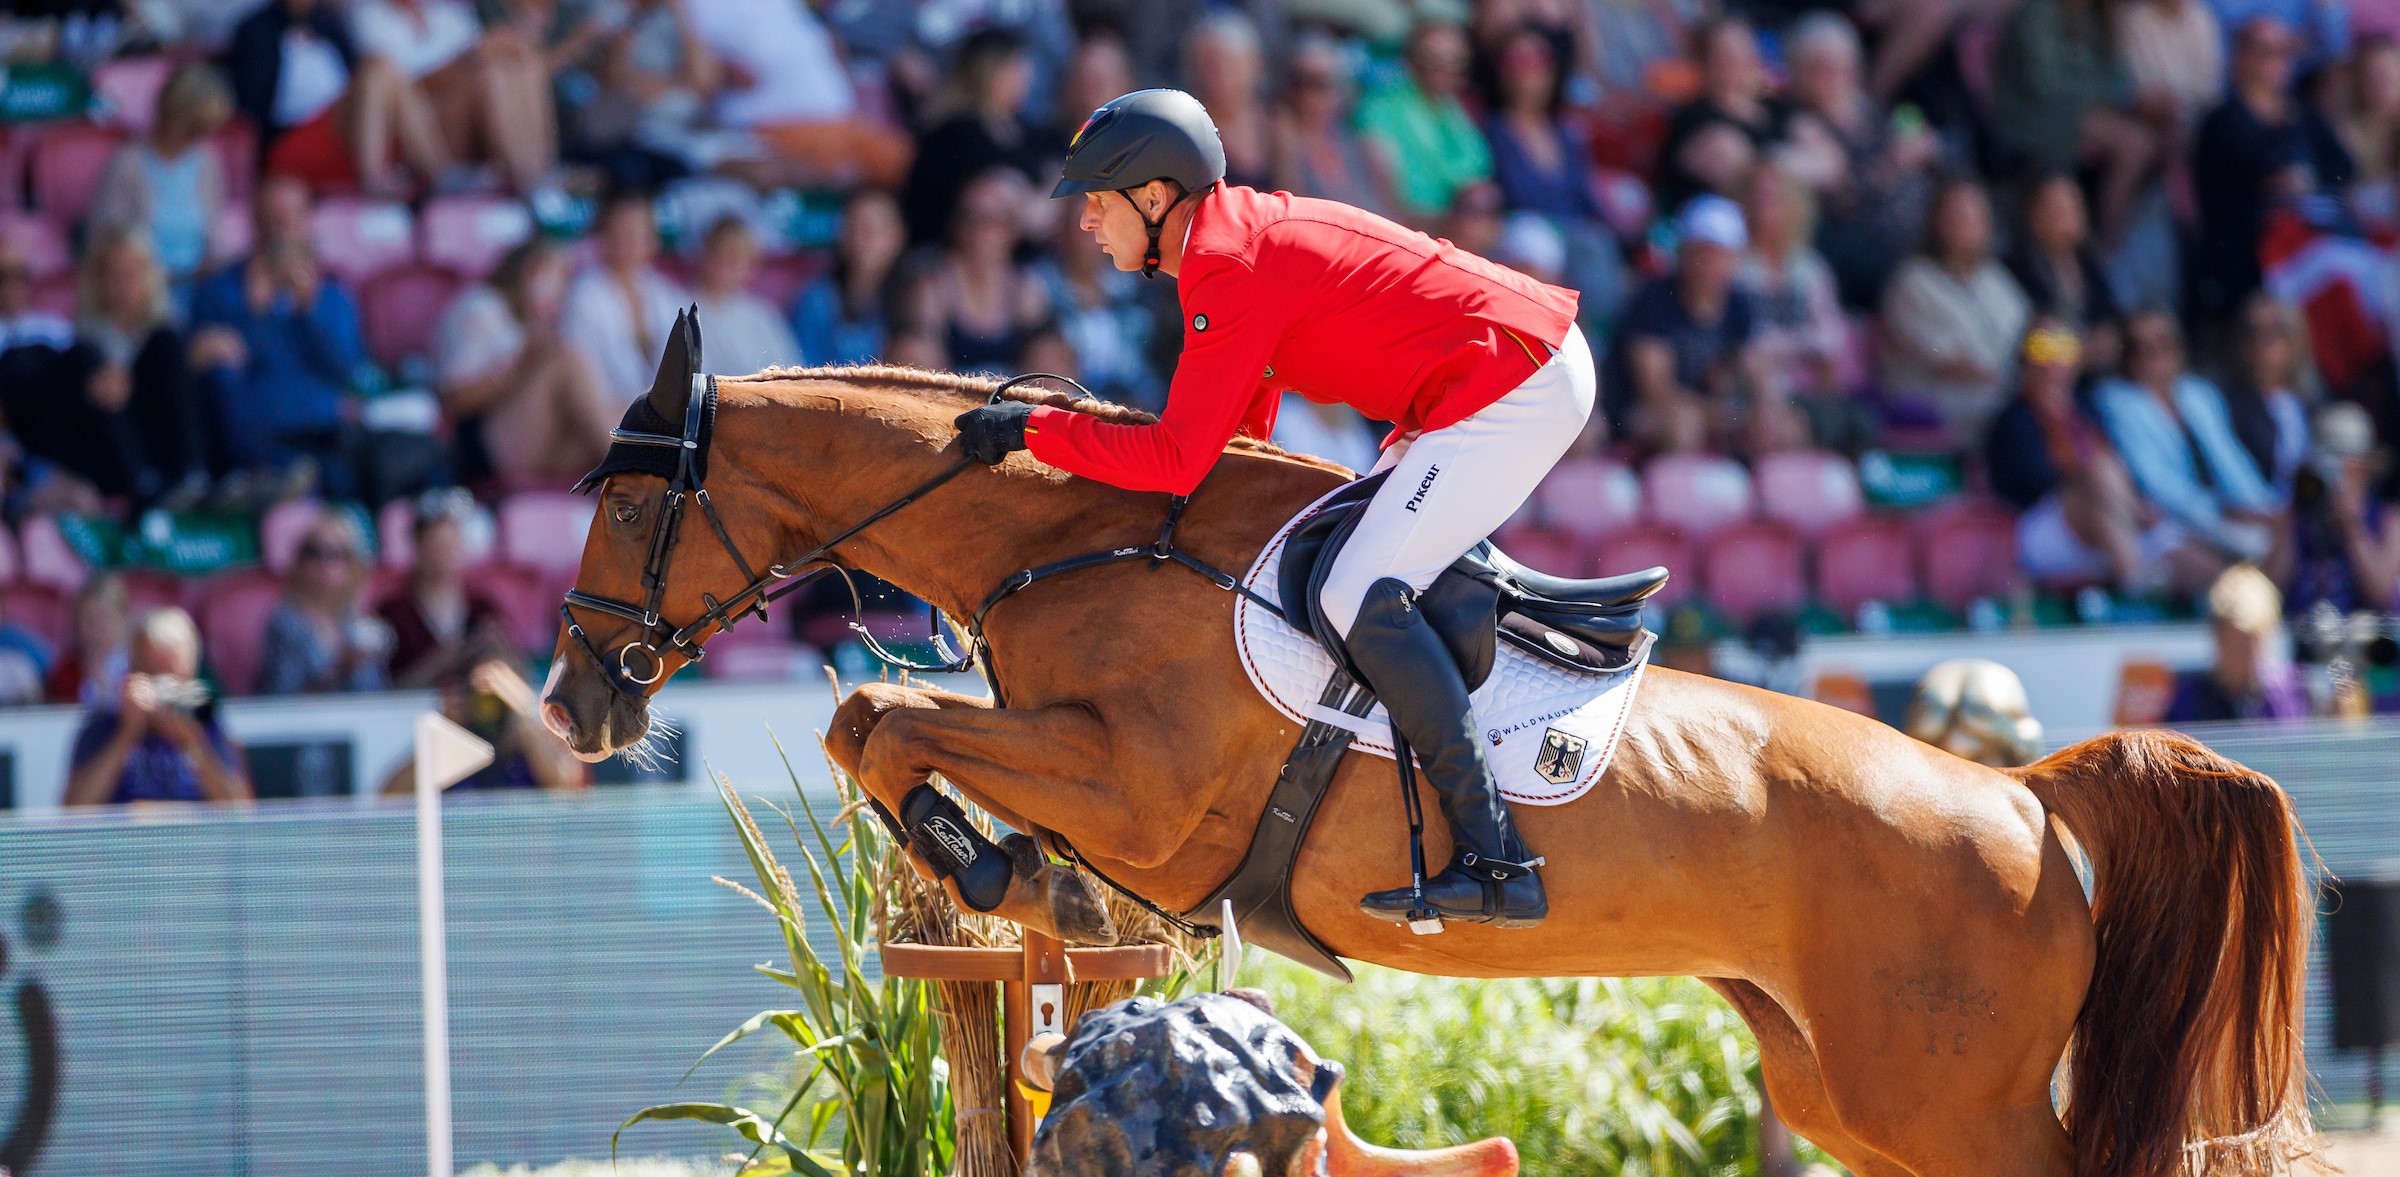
x: 641, y: 661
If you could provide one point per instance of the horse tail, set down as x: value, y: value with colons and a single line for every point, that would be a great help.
x: 2186, y: 1058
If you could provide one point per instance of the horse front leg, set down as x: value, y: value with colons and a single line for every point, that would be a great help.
x: 892, y: 738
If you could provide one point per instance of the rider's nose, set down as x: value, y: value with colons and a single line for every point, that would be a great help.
x: 554, y: 717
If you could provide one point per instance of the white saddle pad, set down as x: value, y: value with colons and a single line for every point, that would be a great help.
x: 1549, y: 731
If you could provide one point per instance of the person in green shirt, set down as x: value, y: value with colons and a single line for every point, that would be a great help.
x: 1430, y: 146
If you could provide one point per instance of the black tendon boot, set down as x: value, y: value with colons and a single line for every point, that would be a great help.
x: 956, y: 850
x: 1490, y: 878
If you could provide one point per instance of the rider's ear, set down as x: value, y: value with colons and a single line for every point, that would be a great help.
x: 672, y: 390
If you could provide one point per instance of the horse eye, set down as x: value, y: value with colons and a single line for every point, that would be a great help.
x: 628, y: 513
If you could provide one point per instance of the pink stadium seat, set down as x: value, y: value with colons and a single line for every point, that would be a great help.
x: 40, y: 608
x: 55, y: 294
x: 39, y: 240
x: 67, y: 163
x: 545, y: 530
x: 1697, y: 494
x: 1854, y: 369
x: 12, y: 564
x: 47, y: 557
x: 153, y: 588
x: 1545, y: 550
x: 233, y: 625
x: 1754, y: 568
x: 128, y: 90
x: 525, y: 598
x: 1970, y: 553
x: 1811, y: 490
x: 399, y: 308
x: 281, y: 529
x: 358, y: 239
x: 1590, y: 500
x: 15, y: 147
x: 470, y: 233
x: 781, y: 276
x: 1652, y: 546
x: 1867, y: 559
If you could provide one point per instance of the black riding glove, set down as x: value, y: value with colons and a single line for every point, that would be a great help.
x: 992, y: 432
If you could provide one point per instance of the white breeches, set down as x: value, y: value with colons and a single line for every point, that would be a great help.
x: 1450, y: 488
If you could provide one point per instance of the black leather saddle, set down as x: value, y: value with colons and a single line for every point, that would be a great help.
x: 1484, y: 598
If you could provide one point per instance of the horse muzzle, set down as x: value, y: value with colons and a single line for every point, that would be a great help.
x: 592, y: 719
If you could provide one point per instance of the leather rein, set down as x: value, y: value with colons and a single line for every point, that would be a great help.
x: 657, y: 637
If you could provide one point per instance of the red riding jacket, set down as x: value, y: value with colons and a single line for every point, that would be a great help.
x: 1333, y: 302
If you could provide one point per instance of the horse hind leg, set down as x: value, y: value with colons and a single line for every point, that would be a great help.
x: 1795, y: 1087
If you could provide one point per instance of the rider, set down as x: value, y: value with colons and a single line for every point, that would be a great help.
x: 1482, y: 369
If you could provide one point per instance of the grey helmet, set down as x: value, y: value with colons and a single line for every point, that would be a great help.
x: 1147, y: 135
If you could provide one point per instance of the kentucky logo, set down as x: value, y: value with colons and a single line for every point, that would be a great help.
x: 1560, y: 757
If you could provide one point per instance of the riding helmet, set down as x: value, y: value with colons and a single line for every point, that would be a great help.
x: 1147, y: 135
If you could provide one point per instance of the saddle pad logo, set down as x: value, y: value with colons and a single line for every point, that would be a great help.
x: 1560, y: 757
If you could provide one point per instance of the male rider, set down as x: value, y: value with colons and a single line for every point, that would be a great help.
x: 1482, y: 369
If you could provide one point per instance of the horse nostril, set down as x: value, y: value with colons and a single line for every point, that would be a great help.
x: 554, y: 717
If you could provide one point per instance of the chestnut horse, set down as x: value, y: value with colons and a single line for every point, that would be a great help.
x: 1904, y: 930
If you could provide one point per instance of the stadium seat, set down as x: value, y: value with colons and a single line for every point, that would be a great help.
x: 358, y: 239
x: 1866, y: 559
x: 545, y: 530
x: 67, y: 164
x: 1590, y: 500
x: 400, y: 307
x: 12, y: 564
x: 1754, y: 568
x: 1811, y: 491
x: 281, y: 529
x: 39, y: 240
x: 48, y: 559
x: 525, y: 598
x: 1969, y: 553
x: 1652, y: 546
x: 233, y: 612
x: 153, y: 588
x: 1545, y: 550
x: 40, y: 608
x: 469, y: 234
x: 127, y: 90
x: 1697, y: 494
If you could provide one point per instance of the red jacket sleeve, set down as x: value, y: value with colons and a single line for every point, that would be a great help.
x: 1230, y: 330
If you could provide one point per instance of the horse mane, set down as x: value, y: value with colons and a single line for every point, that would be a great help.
x: 927, y: 381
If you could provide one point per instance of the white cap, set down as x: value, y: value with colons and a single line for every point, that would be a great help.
x: 1530, y: 241
x: 1714, y: 220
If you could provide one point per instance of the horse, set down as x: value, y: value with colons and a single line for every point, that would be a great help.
x: 1904, y: 931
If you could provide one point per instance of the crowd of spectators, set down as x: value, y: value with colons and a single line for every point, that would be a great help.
x: 2114, y: 264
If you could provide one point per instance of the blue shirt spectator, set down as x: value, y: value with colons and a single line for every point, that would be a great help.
x: 840, y: 317
x: 158, y: 738
x: 281, y: 340
x: 2178, y: 443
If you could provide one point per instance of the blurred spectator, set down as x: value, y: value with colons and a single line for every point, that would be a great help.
x: 1097, y: 70
x: 440, y: 625
x: 1801, y: 332
x: 978, y: 125
x: 635, y: 89
x: 842, y: 316
x: 1531, y: 245
x: 1686, y: 372
x: 1429, y: 145
x: 2060, y: 98
x: 2343, y: 545
x: 276, y: 342
x: 617, y: 312
x: 1712, y: 141
x: 2320, y: 28
x: 170, y: 183
x: 2259, y: 147
x: 2369, y: 125
x: 1226, y: 67
x: 139, y: 418
x: 1475, y: 218
x: 2250, y: 676
x: 1541, y: 165
x: 745, y: 332
x: 1975, y: 708
x: 2176, y: 55
x: 787, y: 82
x: 1909, y: 33
x: 1334, y: 432
x: 1566, y: 29
x: 495, y: 703
x: 2178, y: 442
x: 320, y: 638
x: 25, y: 662
x: 976, y: 299
x: 499, y: 360
x: 1952, y: 317
x: 92, y: 667
x: 2263, y: 394
x: 23, y: 324
x: 489, y: 91
x: 1099, y: 312
x: 324, y: 113
x: 1317, y: 153
x: 1871, y: 171
x: 158, y: 738
x: 2080, y: 519
x: 2062, y: 277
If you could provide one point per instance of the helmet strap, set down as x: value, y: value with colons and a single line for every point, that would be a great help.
x: 1150, y: 258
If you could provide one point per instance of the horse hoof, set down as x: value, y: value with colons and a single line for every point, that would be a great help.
x: 1076, y: 914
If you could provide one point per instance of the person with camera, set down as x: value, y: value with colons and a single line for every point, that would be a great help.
x: 2343, y: 545
x: 158, y: 739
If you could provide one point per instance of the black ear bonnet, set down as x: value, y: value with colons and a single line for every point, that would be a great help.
x: 664, y: 412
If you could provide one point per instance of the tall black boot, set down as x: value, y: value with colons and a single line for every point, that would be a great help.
x: 1490, y: 878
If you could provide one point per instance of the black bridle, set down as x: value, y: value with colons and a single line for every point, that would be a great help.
x: 657, y: 637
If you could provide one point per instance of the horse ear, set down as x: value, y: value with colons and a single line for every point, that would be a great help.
x: 672, y: 390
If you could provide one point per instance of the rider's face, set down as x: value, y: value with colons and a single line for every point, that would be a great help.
x: 1112, y: 221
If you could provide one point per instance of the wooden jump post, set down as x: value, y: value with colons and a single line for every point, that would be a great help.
x: 1033, y: 982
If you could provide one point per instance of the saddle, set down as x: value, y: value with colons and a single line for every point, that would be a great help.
x: 1483, y: 598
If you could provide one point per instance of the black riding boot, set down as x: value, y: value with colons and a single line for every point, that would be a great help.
x: 1490, y: 878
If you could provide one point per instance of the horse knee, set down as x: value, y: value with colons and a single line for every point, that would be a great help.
x: 856, y: 719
